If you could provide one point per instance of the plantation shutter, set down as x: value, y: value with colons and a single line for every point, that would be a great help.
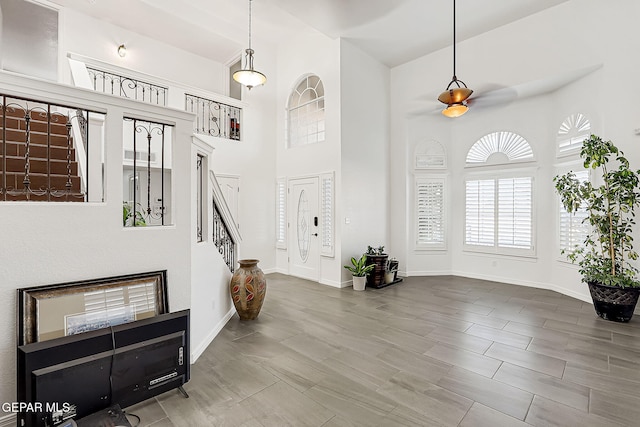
x: 572, y: 230
x: 430, y: 213
x: 480, y: 212
x: 326, y: 214
x: 515, y: 213
x: 281, y: 213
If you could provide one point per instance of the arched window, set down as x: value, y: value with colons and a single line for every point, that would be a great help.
x: 498, y: 204
x: 573, y: 131
x: 305, y: 112
x: 499, y: 147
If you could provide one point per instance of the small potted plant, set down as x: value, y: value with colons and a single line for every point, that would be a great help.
x: 359, y: 270
x: 377, y: 258
x: 391, y: 271
x: 606, y: 256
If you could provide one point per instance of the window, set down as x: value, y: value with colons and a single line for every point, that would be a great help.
x: 499, y: 147
x: 573, y: 131
x: 499, y: 214
x: 146, y: 173
x: 430, y: 213
x: 305, y: 112
x: 281, y: 213
x: 572, y: 230
x: 326, y: 199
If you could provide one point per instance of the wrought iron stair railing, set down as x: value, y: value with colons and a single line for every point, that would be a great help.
x: 38, y: 156
x: 226, y: 235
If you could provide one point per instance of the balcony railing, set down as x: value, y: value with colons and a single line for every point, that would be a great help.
x: 214, y: 118
x: 127, y: 87
x: 39, y: 159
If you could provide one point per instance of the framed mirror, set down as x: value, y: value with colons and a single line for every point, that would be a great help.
x: 52, y: 311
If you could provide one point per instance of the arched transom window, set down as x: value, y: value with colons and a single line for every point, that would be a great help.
x: 573, y: 131
x: 305, y: 112
x: 499, y: 147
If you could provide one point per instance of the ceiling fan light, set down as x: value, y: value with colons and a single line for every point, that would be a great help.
x: 455, y: 96
x: 455, y: 110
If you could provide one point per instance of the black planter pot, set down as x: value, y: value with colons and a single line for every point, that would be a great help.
x: 375, y: 279
x: 613, y: 303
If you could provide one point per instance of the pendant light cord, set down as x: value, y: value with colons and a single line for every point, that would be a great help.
x: 454, y: 40
x: 250, y: 23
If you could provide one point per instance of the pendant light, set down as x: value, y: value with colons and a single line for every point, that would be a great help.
x: 455, y: 97
x: 248, y: 76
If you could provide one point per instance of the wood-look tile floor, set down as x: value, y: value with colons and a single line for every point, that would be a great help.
x: 430, y: 351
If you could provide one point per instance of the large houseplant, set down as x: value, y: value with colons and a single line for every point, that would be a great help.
x: 606, y: 257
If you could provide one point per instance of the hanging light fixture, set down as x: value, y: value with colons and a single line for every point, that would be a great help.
x: 455, y: 97
x: 248, y: 76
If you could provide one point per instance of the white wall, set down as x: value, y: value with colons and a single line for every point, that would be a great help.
x: 48, y: 243
x: 526, y: 54
x: 87, y: 36
x: 365, y: 153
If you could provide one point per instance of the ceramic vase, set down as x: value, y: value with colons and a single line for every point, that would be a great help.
x: 248, y: 288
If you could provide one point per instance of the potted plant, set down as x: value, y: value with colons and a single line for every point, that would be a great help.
x: 359, y: 270
x: 128, y: 215
x: 377, y: 258
x: 391, y: 271
x: 605, y: 259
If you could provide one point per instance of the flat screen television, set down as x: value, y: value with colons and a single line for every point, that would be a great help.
x: 74, y: 376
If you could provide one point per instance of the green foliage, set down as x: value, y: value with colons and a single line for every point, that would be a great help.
x: 358, y: 267
x: 608, y: 250
x: 127, y: 216
x: 375, y: 251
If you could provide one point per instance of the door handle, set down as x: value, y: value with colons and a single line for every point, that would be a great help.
x: 315, y: 221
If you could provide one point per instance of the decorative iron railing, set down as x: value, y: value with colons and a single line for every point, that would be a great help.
x: 214, y: 118
x: 128, y: 87
x: 223, y: 240
x: 38, y: 156
x: 149, y: 167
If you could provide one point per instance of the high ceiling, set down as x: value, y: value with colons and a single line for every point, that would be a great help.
x: 393, y: 31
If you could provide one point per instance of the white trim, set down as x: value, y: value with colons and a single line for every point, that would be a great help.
x: 335, y: 284
x: 327, y: 251
x: 282, y: 183
x: 197, y: 352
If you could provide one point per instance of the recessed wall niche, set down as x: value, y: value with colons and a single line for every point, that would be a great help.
x: 429, y: 155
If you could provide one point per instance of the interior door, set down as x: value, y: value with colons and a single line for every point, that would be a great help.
x: 230, y: 186
x: 304, y: 243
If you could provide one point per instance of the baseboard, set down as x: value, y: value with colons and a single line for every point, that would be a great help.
x: 528, y: 283
x: 425, y: 273
x: 9, y: 421
x: 270, y: 270
x: 197, y: 352
x: 334, y: 284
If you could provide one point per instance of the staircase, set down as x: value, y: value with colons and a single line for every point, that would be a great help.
x: 50, y: 165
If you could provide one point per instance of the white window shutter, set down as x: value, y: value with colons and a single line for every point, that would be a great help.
x: 480, y: 212
x: 572, y: 229
x: 515, y: 213
x: 430, y: 213
x: 326, y: 215
x: 281, y: 213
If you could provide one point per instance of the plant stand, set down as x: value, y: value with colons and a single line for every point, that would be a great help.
x: 612, y: 303
x: 375, y: 279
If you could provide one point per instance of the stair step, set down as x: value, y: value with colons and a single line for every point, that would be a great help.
x: 39, y: 181
x: 70, y: 197
x: 57, y: 128
x: 37, y: 151
x: 36, y: 165
x: 13, y: 135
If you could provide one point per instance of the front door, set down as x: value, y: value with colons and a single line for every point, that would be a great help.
x: 304, y: 243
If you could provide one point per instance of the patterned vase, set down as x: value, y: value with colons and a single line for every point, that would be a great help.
x: 248, y: 288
